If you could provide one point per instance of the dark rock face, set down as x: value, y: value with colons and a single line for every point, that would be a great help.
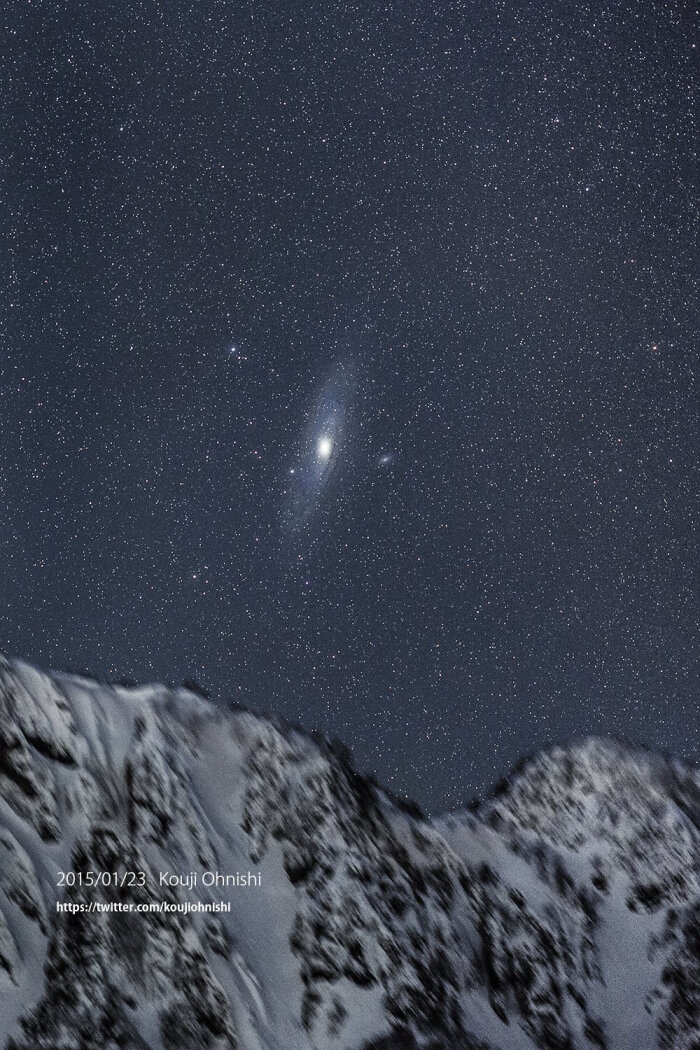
x: 563, y: 915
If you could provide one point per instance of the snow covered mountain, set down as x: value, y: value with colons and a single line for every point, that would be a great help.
x: 561, y: 915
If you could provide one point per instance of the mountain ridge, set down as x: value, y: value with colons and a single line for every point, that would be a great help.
x: 507, y: 928
x: 575, y: 744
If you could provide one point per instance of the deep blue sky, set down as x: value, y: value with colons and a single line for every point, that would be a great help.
x: 460, y: 237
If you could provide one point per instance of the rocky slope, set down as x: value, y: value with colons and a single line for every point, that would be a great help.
x: 562, y: 915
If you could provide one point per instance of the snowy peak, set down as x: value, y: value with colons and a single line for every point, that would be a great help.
x: 634, y: 809
x: 560, y: 916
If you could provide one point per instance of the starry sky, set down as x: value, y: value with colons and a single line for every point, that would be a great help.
x: 347, y: 366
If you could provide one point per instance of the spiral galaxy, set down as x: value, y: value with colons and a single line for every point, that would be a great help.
x: 320, y: 449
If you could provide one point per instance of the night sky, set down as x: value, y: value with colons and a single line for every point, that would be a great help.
x: 347, y: 366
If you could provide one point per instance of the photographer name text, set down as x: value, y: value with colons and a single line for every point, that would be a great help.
x: 163, y: 879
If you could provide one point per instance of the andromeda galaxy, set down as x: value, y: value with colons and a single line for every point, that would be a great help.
x: 320, y: 449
